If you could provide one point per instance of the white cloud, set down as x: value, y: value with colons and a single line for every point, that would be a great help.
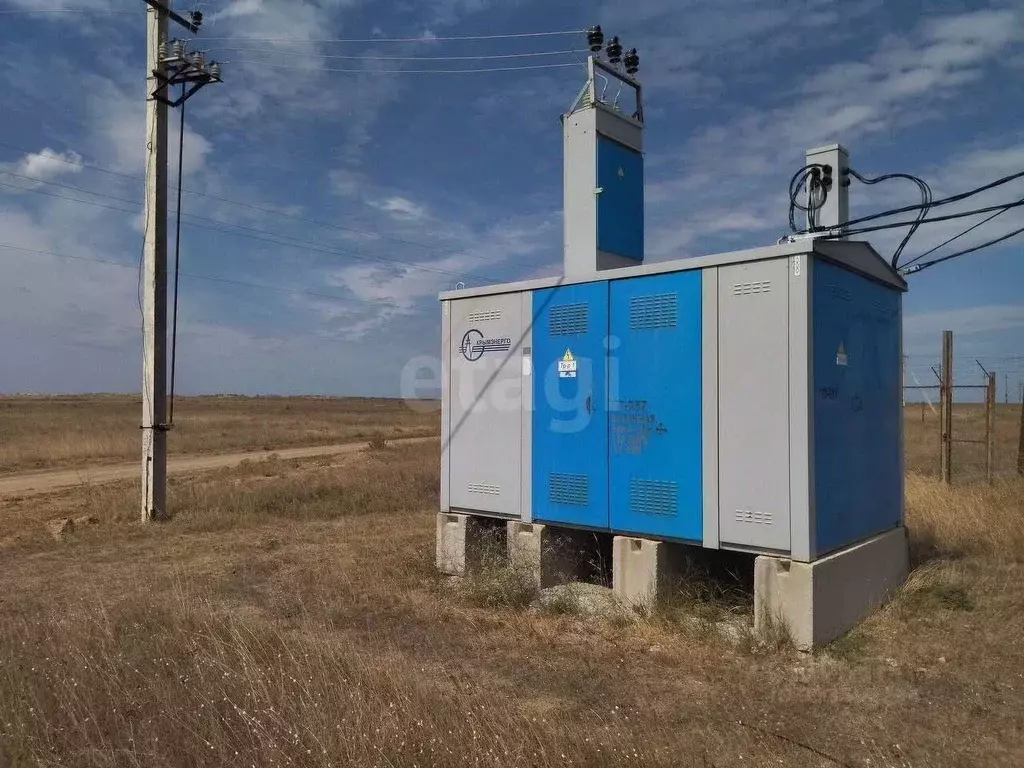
x: 740, y: 162
x: 347, y: 182
x: 402, y: 290
x: 60, y: 5
x: 48, y: 164
x: 401, y: 208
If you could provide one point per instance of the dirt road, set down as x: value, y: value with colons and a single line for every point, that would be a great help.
x: 44, y: 481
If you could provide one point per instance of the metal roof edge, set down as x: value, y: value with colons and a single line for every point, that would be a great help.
x: 861, y: 256
x: 857, y: 255
x: 777, y: 251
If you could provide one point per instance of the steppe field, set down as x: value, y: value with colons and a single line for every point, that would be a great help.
x: 289, y: 614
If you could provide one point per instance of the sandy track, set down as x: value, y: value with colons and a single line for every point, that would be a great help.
x: 45, y: 481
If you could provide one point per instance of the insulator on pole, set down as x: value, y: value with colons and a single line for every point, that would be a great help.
x: 178, y: 49
x: 215, y: 70
x: 595, y: 38
x: 614, y: 50
x: 632, y: 61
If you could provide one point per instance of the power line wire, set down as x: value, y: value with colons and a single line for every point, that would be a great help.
x: 259, y: 234
x: 252, y: 207
x: 964, y: 252
x: 177, y: 256
x: 931, y: 220
x: 79, y: 163
x: 474, y: 71
x: 196, y: 276
x: 420, y: 39
x: 33, y: 11
x: 361, y: 57
x: 926, y: 201
x: 956, y: 237
x: 64, y: 197
x: 939, y: 202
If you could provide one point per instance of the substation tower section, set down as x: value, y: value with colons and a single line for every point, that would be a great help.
x: 745, y: 401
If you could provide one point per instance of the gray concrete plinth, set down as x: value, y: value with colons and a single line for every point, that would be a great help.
x: 643, y: 571
x: 551, y: 554
x: 460, y: 542
x: 817, y: 602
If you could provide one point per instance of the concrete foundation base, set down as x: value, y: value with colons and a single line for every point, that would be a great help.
x: 552, y: 555
x: 817, y: 602
x: 460, y: 542
x: 643, y: 570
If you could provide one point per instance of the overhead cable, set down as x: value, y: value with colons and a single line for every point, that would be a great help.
x: 361, y: 57
x: 259, y: 208
x: 420, y: 39
x: 472, y: 71
x: 946, y: 242
x: 926, y: 201
x: 195, y: 276
x: 931, y: 220
x: 940, y: 201
x: 964, y: 252
x: 227, y: 227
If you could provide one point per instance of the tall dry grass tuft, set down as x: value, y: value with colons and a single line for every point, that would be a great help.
x: 965, y: 520
x: 183, y: 685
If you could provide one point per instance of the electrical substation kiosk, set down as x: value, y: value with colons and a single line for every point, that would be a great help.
x: 746, y: 400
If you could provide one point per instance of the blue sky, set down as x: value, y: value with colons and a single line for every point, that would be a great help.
x: 389, y: 187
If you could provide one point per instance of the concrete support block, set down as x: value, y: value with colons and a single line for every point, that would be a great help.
x: 460, y: 542
x: 817, y: 602
x: 643, y: 571
x: 552, y: 555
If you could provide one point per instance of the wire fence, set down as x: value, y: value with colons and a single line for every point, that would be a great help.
x: 982, y: 438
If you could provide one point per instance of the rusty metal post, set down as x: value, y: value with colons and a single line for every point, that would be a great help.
x: 946, y: 389
x: 990, y: 425
x: 1020, y: 438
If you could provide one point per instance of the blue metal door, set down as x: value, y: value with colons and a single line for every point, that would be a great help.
x: 655, y: 406
x: 620, y: 204
x: 570, y: 424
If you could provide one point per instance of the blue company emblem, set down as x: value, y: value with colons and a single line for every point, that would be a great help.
x: 474, y: 345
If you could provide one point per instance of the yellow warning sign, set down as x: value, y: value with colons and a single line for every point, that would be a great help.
x: 567, y: 366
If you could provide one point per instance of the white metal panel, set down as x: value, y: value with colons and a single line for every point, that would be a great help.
x: 446, y: 414
x: 801, y: 423
x: 709, y: 394
x: 836, y: 210
x: 486, y: 404
x: 753, y: 354
x: 579, y: 205
x: 526, y: 457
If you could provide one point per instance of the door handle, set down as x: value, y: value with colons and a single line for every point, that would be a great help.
x: 590, y: 408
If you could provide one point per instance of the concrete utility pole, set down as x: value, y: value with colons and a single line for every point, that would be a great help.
x: 167, y: 64
x: 154, y: 281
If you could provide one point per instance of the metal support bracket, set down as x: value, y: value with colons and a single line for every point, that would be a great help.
x: 156, y: 5
x: 180, y: 77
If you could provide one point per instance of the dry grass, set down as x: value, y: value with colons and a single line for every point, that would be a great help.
x: 921, y: 433
x: 43, y: 432
x: 976, y: 520
x: 290, y: 614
